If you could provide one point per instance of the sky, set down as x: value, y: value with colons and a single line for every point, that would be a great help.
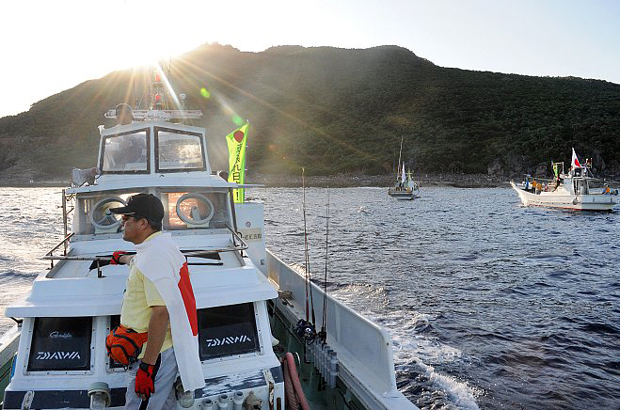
x: 50, y: 46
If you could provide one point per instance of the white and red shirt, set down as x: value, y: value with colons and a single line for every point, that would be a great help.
x: 161, y: 261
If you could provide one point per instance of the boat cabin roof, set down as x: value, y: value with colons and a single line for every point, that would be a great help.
x: 153, y: 153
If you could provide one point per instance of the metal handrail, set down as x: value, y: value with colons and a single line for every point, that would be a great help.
x: 49, y: 256
x: 60, y: 244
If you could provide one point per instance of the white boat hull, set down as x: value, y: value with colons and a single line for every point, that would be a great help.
x: 564, y: 200
x: 404, y: 195
x: 8, y: 348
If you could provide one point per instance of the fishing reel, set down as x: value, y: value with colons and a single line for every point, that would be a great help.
x: 306, y: 331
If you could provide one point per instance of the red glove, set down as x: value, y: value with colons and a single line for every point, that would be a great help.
x: 145, y: 380
x: 116, y: 257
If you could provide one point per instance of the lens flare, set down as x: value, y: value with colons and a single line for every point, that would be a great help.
x: 237, y: 120
x: 205, y: 93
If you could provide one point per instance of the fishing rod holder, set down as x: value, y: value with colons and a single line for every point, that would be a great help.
x: 325, y: 361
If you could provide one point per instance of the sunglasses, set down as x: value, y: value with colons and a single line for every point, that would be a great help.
x: 125, y: 217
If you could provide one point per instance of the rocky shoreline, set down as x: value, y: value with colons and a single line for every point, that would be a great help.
x: 332, y: 181
x: 358, y: 180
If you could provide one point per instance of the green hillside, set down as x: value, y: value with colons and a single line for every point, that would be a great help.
x: 336, y: 110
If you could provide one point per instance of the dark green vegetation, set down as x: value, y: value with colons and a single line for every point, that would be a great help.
x: 334, y: 110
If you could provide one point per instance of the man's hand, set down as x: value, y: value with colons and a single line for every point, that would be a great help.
x: 116, y: 258
x: 145, y: 380
x: 158, y: 325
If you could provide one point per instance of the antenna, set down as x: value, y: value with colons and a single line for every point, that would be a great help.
x: 400, y: 153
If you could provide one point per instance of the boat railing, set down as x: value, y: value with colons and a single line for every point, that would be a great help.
x: 144, y: 115
x: 49, y: 254
x: 238, y: 245
x: 364, y: 349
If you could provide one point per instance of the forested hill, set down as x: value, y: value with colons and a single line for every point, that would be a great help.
x: 337, y: 110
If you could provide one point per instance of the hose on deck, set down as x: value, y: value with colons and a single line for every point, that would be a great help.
x: 295, y: 397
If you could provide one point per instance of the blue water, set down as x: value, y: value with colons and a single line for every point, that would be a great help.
x: 490, y: 305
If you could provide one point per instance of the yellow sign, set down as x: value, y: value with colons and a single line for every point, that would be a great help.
x: 236, y: 159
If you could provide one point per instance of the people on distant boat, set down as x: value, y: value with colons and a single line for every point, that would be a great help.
x: 557, y: 183
x: 158, y: 303
x: 606, y: 190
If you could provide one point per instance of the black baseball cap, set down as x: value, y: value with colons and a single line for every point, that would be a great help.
x: 144, y: 205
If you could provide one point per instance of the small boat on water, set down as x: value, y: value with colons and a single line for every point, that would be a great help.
x: 258, y: 347
x: 405, y: 188
x: 575, y: 190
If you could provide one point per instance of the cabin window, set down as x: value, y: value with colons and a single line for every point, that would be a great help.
x: 227, y: 331
x: 198, y: 209
x: 126, y: 153
x: 93, y: 212
x: 60, y: 343
x: 178, y: 151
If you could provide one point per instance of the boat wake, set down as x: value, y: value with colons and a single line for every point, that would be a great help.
x: 413, y: 348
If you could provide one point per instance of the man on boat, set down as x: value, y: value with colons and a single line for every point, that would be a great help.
x: 159, y: 300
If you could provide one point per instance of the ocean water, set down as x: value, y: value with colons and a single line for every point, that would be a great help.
x: 489, y: 304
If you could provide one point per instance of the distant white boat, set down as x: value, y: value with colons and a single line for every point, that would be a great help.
x: 577, y: 190
x: 405, y: 188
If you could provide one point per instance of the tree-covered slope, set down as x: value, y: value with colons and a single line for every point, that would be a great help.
x: 335, y: 110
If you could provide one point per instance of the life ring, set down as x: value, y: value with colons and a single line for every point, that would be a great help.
x: 102, y: 218
x: 196, y: 216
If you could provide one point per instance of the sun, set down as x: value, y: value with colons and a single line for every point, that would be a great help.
x: 140, y: 33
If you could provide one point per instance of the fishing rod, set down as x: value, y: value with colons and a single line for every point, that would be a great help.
x: 307, y: 255
x: 306, y: 261
x: 305, y: 329
x: 323, y: 332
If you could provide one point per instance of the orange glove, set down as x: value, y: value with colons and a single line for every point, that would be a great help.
x: 116, y: 258
x: 145, y: 380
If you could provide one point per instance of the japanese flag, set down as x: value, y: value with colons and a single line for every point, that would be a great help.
x: 575, y: 161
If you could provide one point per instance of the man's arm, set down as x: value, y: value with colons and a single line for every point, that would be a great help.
x: 158, y: 326
x: 125, y: 259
